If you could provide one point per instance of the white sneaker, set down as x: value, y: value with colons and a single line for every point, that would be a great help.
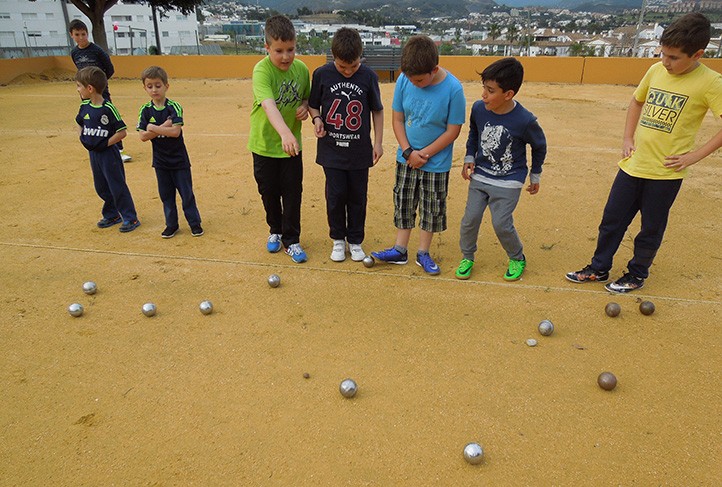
x: 338, y: 254
x: 125, y: 157
x: 357, y: 253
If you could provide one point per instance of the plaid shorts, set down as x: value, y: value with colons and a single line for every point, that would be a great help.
x: 426, y: 190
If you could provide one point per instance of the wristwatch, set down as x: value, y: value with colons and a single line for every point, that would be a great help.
x: 407, y: 153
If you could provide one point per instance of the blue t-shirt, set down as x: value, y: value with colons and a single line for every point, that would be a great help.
x: 168, y: 152
x: 99, y: 124
x: 427, y: 113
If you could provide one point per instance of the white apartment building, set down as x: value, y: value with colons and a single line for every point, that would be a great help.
x: 39, y: 28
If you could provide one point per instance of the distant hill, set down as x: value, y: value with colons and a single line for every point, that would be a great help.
x: 445, y: 7
x: 585, y: 5
x: 429, y: 8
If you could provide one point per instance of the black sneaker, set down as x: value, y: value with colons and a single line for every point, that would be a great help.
x: 588, y: 274
x: 129, y: 226
x: 109, y: 222
x: 625, y: 284
x: 169, y: 232
x: 197, y: 231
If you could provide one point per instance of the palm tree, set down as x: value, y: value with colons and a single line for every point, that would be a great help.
x: 512, y: 34
x: 494, y: 31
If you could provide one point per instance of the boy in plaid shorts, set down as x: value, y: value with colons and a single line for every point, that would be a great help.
x: 428, y: 112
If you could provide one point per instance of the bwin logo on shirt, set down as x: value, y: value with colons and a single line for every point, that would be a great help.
x: 99, y: 132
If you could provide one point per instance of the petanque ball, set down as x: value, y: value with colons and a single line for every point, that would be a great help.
x: 75, y: 309
x: 612, y: 310
x: 369, y: 261
x: 348, y: 388
x: 206, y: 307
x: 274, y: 280
x: 149, y: 309
x: 546, y: 327
x: 646, y: 308
x: 473, y: 453
x: 90, y: 287
x: 607, y: 381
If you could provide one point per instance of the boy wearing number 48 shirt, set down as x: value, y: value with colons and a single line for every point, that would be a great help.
x: 345, y: 98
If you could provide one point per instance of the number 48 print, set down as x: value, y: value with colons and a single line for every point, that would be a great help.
x: 353, y: 115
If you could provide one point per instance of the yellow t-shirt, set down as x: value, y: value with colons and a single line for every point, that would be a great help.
x: 673, y: 110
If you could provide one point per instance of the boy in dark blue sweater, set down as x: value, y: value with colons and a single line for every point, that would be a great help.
x: 496, y: 164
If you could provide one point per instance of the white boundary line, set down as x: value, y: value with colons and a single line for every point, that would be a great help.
x: 515, y: 285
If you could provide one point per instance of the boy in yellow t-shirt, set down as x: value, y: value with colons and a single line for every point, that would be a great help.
x: 662, y: 120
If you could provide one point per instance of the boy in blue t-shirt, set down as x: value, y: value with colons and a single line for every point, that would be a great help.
x: 161, y: 121
x: 345, y: 98
x: 101, y: 128
x: 428, y: 112
x: 496, y: 166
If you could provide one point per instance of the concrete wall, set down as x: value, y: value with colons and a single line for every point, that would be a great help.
x: 627, y: 71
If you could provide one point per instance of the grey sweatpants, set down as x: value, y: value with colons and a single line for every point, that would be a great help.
x: 501, y: 203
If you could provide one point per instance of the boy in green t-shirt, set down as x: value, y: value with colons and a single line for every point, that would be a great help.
x: 281, y: 87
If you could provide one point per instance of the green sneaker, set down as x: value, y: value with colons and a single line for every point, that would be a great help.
x: 463, y: 272
x: 516, y: 269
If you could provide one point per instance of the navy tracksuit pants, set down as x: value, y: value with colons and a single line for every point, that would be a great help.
x: 629, y: 195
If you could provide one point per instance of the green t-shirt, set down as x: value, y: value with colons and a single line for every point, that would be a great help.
x: 288, y: 89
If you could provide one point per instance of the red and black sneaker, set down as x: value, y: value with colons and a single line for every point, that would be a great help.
x: 588, y: 274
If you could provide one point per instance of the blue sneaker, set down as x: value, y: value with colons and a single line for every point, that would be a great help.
x: 274, y: 243
x: 109, y: 222
x: 391, y: 256
x: 427, y: 263
x: 129, y: 226
x: 296, y: 253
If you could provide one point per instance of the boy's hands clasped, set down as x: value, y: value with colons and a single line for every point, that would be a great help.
x: 417, y: 159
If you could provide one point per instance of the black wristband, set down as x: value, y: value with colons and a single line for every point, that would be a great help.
x: 407, y: 153
x: 313, y: 120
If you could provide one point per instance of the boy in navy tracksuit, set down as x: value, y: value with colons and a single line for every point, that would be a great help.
x: 101, y: 129
x: 160, y: 121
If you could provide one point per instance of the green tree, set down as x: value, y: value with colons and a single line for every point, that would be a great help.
x: 446, y: 49
x: 494, y: 31
x: 95, y: 11
x: 512, y: 34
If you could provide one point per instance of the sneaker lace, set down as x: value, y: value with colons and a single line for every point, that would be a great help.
x: 295, y: 249
x: 515, y: 265
x: 274, y: 237
x: 627, y: 279
x: 427, y: 261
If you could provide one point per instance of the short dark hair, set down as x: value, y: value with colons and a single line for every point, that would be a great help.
x: 689, y: 33
x: 347, y: 45
x: 279, y: 28
x: 419, y: 56
x: 77, y: 24
x: 508, y: 73
x: 154, y: 72
x: 92, y: 76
